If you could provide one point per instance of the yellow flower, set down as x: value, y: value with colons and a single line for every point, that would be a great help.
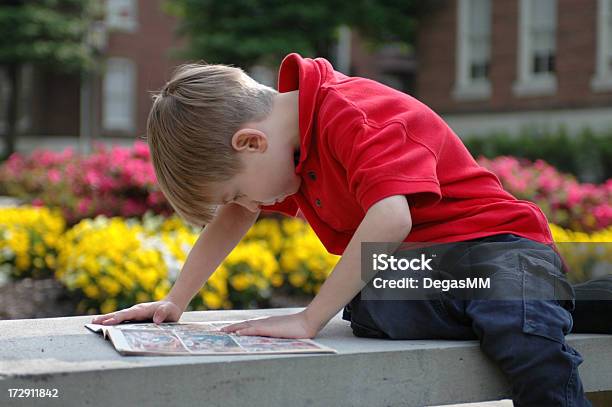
x: 160, y: 292
x: 292, y: 226
x: 92, y: 291
x: 142, y: 297
x: 218, y: 282
x: 241, y: 281
x: 212, y: 300
x: 39, y: 249
x: 109, y: 305
x: 22, y: 262
x: 277, y: 280
x: 109, y: 285
x: 82, y: 280
x: 289, y: 261
x: 125, y: 281
x: 38, y: 262
x: 50, y: 260
x: 148, y: 279
x: 297, y: 279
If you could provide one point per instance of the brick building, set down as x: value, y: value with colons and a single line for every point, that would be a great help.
x: 136, y: 44
x: 482, y: 64
x: 502, y: 64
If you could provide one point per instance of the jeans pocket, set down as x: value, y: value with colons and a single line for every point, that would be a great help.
x: 543, y: 278
x: 545, y: 294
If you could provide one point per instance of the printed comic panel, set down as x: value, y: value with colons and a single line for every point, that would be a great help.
x: 208, y: 342
x: 153, y: 341
x: 263, y: 343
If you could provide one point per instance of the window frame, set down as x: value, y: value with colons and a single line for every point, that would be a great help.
x: 111, y: 123
x: 129, y: 24
x: 529, y: 83
x: 466, y: 88
x: 602, y: 79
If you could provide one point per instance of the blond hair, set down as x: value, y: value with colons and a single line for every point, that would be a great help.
x: 189, y: 132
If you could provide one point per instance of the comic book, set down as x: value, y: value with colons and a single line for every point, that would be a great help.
x: 197, y: 338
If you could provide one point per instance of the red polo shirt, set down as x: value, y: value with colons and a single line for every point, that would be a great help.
x: 362, y: 141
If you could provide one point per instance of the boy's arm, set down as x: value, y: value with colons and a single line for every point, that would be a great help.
x: 388, y: 220
x: 214, y: 244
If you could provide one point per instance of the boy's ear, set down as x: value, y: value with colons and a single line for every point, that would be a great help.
x: 250, y: 139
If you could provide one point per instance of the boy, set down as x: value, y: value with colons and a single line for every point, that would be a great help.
x: 364, y: 163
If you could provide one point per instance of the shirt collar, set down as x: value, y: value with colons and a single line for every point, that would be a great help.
x: 307, y: 75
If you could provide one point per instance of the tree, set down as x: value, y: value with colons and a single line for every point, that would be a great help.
x: 247, y: 32
x: 42, y: 32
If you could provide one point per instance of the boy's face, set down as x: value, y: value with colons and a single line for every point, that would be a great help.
x: 269, y: 174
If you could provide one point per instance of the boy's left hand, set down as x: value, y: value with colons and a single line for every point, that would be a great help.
x: 293, y: 326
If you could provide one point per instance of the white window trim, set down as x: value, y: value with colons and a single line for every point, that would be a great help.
x: 131, y: 126
x: 527, y: 84
x: 465, y: 89
x: 25, y: 104
x: 602, y: 80
x: 130, y: 25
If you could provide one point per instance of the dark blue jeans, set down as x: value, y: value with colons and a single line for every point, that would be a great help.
x: 524, y: 336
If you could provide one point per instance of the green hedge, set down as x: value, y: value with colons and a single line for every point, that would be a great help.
x: 586, y: 155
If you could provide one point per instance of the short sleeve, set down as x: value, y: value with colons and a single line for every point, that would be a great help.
x: 288, y: 207
x: 385, y: 161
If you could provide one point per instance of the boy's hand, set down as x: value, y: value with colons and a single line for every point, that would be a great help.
x: 294, y: 326
x: 158, y: 311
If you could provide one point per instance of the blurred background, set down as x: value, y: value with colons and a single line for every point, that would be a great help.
x: 526, y: 84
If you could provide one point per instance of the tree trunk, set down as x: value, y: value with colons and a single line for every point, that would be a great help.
x: 13, y: 108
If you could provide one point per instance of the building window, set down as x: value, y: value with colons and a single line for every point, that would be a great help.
x: 602, y: 81
x: 608, y: 24
x: 5, y: 89
x: 473, y: 50
x: 537, y: 48
x: 122, y: 15
x: 24, y: 104
x: 118, y: 93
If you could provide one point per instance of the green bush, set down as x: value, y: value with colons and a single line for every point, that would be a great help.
x: 586, y: 155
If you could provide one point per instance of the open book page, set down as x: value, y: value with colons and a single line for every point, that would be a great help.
x: 197, y: 338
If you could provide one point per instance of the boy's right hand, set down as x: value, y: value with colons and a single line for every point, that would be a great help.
x: 158, y: 311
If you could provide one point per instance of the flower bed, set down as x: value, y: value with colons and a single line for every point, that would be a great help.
x: 113, y: 263
x: 565, y: 201
x: 29, y: 240
x: 121, y: 182
x: 114, y: 182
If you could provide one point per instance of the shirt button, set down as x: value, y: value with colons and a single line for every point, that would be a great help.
x: 312, y: 175
x: 318, y: 202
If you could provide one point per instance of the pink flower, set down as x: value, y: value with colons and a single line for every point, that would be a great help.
x: 574, y: 194
x: 54, y: 176
x: 131, y: 207
x: 141, y: 149
x: 603, y: 214
x: 92, y: 178
x: 84, y: 206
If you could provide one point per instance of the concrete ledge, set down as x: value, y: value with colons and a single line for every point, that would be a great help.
x: 61, y: 353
